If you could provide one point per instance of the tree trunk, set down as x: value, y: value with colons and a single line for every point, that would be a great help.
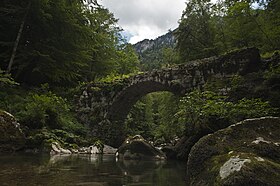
x: 17, y: 40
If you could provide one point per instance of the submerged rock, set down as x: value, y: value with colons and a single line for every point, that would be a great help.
x: 137, y: 147
x: 12, y: 137
x: 247, y: 153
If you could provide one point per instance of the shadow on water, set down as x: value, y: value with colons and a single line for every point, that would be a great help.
x: 94, y: 170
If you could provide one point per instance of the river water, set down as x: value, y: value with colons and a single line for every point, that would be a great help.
x: 85, y: 170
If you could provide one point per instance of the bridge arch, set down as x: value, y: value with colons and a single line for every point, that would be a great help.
x: 123, y: 103
x: 109, y: 102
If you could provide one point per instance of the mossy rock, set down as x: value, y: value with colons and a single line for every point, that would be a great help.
x: 43, y: 138
x: 137, y: 147
x: 247, y: 153
x: 12, y: 138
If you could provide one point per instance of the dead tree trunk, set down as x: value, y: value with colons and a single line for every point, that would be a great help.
x: 17, y: 40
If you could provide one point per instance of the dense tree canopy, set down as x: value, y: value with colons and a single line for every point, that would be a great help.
x: 208, y: 28
x: 60, y: 42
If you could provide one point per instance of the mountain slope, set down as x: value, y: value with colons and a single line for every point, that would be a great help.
x: 151, y: 51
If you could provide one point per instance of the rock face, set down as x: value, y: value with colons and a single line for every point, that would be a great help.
x: 137, y: 147
x: 12, y: 137
x: 95, y: 150
x: 155, y: 45
x: 57, y: 149
x: 109, y: 150
x: 247, y: 153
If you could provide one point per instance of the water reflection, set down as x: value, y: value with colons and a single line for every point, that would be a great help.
x: 95, y: 170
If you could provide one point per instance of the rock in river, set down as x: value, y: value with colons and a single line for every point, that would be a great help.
x: 137, y: 147
x: 247, y: 153
x: 12, y: 137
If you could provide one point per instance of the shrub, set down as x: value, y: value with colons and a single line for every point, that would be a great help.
x: 6, y: 79
x: 43, y: 110
x: 202, y: 111
x: 48, y: 110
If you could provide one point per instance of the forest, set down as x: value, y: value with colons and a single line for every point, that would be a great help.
x: 50, y: 48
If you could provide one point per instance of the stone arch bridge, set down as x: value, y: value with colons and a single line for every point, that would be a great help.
x: 111, y: 102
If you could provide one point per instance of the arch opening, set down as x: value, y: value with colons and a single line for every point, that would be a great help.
x: 153, y: 117
x: 147, y: 108
x: 124, y: 102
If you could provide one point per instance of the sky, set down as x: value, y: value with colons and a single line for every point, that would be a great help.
x: 145, y: 19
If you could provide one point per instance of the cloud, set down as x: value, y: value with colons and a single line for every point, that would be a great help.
x: 146, y: 19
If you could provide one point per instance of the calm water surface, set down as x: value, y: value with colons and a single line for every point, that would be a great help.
x: 83, y: 170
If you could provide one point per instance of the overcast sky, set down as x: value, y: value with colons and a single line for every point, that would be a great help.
x: 145, y: 19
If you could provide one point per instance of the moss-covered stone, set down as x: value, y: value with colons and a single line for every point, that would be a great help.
x: 12, y: 137
x: 43, y: 138
x: 247, y: 153
x: 137, y: 147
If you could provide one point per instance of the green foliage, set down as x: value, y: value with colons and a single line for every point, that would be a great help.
x: 201, y: 111
x: 157, y: 58
x: 112, y: 78
x: 207, y: 28
x: 263, y: 84
x: 48, y: 110
x: 169, y: 56
x: 12, y: 100
x: 99, y: 144
x: 62, y: 42
x: 273, y: 72
x: 241, y: 26
x: 195, y: 35
x: 6, y: 79
x: 42, y: 138
x: 43, y: 111
x: 270, y: 54
x: 153, y: 118
x: 127, y: 60
x: 40, y: 108
x: 44, y: 117
x: 250, y: 108
x: 139, y: 119
x: 272, y: 85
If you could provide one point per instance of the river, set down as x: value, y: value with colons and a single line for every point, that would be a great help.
x: 85, y: 170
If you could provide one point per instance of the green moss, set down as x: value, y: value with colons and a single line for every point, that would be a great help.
x: 43, y: 138
x: 269, y: 54
x: 260, y: 171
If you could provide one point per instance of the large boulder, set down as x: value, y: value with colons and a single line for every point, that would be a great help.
x: 11, y: 135
x: 137, y: 147
x: 109, y: 150
x: 57, y: 149
x: 247, y: 153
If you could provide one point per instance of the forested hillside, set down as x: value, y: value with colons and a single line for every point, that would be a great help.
x: 208, y: 29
